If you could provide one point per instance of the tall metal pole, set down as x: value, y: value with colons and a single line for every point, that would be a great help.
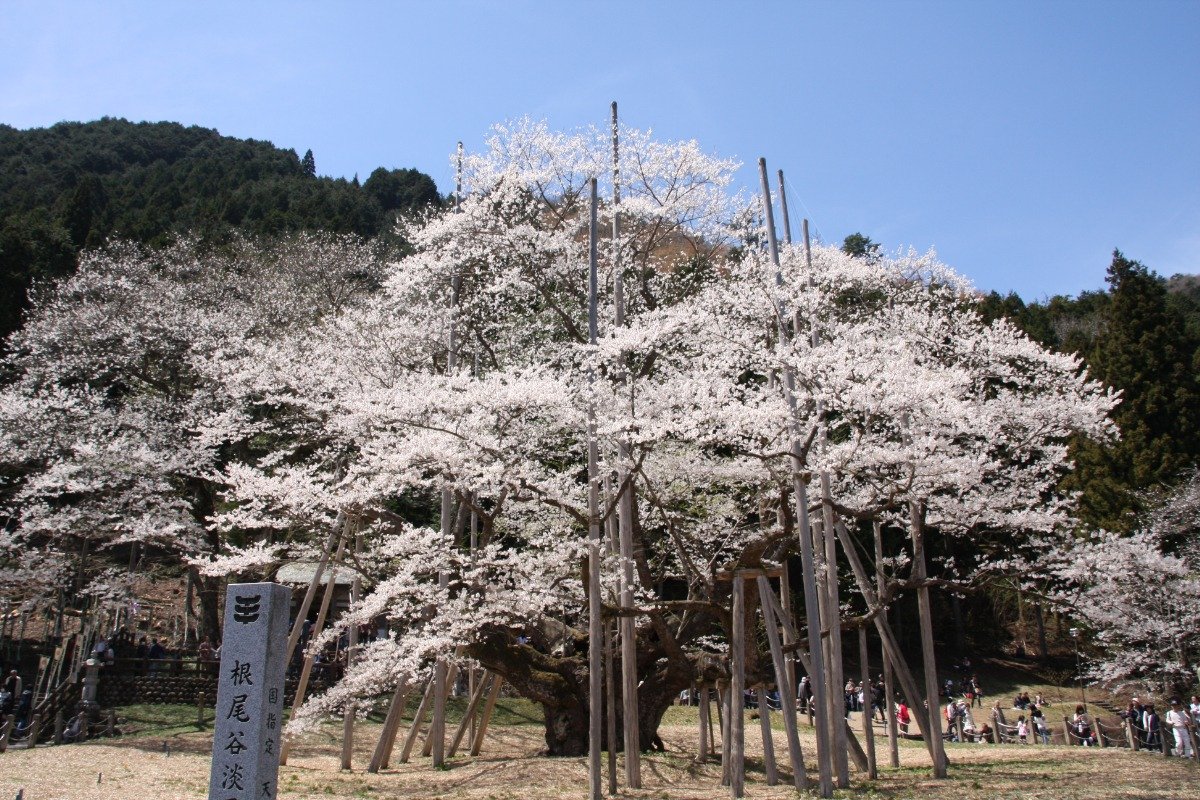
x: 595, y: 630
x: 629, y: 676
x: 800, y: 489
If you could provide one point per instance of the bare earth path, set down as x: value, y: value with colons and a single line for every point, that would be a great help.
x: 137, y: 767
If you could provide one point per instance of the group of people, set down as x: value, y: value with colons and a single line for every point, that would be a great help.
x: 1180, y: 720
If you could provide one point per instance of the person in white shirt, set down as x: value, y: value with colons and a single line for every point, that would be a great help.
x: 1180, y: 722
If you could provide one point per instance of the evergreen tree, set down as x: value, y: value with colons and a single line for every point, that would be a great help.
x: 1143, y: 348
x: 856, y: 244
x: 308, y: 163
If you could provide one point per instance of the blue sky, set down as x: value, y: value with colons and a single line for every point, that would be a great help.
x: 1023, y: 140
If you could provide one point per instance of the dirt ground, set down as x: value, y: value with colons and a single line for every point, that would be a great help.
x: 141, y: 767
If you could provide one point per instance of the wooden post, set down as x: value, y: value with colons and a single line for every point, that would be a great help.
x: 723, y: 711
x: 306, y: 669
x: 628, y: 625
x: 6, y: 731
x: 35, y: 727
x: 391, y: 724
x: 1066, y: 731
x: 925, y: 617
x: 1131, y: 735
x: 199, y: 709
x: 889, y: 690
x: 451, y: 677
x: 785, y: 603
x: 833, y: 623
x: 737, y: 690
x: 787, y: 699
x: 610, y: 636
x: 302, y: 614
x: 930, y: 729
x: 351, y: 652
x: 595, y: 627
x: 110, y: 723
x: 418, y: 720
x: 995, y: 727
x: 705, y: 724
x: 489, y: 707
x: 800, y: 498
x: 764, y: 724
x: 867, y: 703
x: 59, y: 725
x: 468, y: 717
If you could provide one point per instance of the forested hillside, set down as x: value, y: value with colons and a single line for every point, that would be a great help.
x: 75, y: 185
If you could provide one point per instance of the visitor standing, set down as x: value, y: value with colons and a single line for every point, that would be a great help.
x: 1180, y: 723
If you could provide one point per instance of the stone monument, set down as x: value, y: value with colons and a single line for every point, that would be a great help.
x: 249, y: 711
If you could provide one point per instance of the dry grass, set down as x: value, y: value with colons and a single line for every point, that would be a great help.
x: 136, y: 767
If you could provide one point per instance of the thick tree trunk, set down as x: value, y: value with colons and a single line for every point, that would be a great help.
x: 559, y: 684
x: 208, y: 591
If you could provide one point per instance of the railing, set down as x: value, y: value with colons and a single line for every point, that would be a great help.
x: 131, y: 665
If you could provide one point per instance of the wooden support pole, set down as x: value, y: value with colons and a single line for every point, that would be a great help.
x: 723, y: 710
x: 867, y: 703
x: 418, y: 720
x: 789, y: 626
x: 481, y: 731
x: 306, y: 669
x: 302, y: 614
x: 468, y: 717
x: 833, y: 623
x: 628, y: 624
x: 889, y: 690
x: 926, y: 718
x: 737, y: 691
x: 391, y: 724
x: 764, y: 725
x: 610, y: 637
x: 351, y: 653
x: 59, y: 725
x: 788, y: 698
x: 595, y: 627
x: 925, y: 617
x: 705, y: 724
x: 854, y: 750
x: 451, y: 677
x: 800, y: 497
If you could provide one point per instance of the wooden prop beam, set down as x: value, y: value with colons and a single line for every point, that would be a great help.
x: 309, y: 659
x: 351, y: 653
x: 468, y: 717
x: 787, y: 696
x: 889, y: 691
x: 764, y: 725
x: 335, y: 536
x: 868, y: 705
x: 489, y: 707
x: 891, y: 648
x: 737, y: 691
x: 427, y: 748
x: 391, y: 724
